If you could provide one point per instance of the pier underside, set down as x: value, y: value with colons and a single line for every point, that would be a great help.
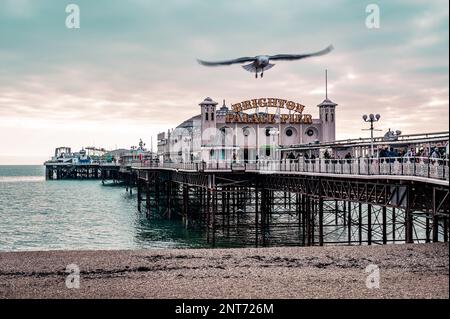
x: 254, y: 209
x: 88, y: 171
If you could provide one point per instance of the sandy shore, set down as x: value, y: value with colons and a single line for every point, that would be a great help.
x: 406, y: 271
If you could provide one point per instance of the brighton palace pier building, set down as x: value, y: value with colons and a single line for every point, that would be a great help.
x: 246, y: 131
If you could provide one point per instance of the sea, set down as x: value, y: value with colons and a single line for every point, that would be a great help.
x: 40, y: 215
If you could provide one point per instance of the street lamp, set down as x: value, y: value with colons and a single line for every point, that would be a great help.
x: 274, y: 133
x: 371, y: 119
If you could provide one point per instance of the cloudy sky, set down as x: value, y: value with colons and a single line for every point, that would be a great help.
x: 130, y: 71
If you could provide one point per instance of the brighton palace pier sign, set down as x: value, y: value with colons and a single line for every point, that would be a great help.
x: 239, y: 116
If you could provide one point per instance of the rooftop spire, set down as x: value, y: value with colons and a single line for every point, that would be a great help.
x: 326, y: 102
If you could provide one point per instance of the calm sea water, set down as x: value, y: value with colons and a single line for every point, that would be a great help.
x: 36, y: 214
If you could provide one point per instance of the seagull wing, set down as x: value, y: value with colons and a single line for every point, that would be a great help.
x: 250, y: 67
x: 226, y: 62
x: 288, y: 57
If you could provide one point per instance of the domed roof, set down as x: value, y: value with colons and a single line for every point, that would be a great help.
x: 189, y: 123
x: 327, y: 102
x: 208, y: 101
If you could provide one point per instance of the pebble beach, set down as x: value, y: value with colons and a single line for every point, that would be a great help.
x: 405, y: 271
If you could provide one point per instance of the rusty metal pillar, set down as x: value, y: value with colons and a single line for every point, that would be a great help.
x: 130, y: 178
x: 320, y: 214
x: 223, y: 200
x: 234, y: 201
x: 435, y: 218
x: 228, y: 210
x: 299, y: 216
x: 320, y: 220
x: 369, y: 224
x: 264, y: 208
x: 344, y: 212
x: 239, y: 200
x: 394, y: 224
x: 139, y: 198
x: 349, y: 223
x: 201, y: 205
x: 435, y: 229
x: 208, y: 214
x: 384, y: 226
x: 213, y: 215
x: 169, y: 199
x: 313, y: 220
x: 408, y: 220
x: 360, y: 221
x: 290, y: 201
x: 303, y: 218
x: 308, y: 220
x: 256, y: 214
x: 157, y: 181
x: 445, y: 229
x: 185, y: 204
x: 147, y: 198
x: 336, y: 212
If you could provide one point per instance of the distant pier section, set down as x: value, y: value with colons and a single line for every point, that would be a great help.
x: 93, y: 163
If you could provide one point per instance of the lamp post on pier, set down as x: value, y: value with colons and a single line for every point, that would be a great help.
x: 275, y: 133
x: 371, y: 119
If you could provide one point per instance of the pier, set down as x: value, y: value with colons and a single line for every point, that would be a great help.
x: 306, y: 203
x: 297, y: 200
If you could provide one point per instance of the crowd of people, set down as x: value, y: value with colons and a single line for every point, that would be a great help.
x: 435, y: 152
x: 385, y: 154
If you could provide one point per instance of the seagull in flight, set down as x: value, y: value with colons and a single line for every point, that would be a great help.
x: 261, y: 63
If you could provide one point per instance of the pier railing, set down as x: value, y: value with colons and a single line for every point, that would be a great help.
x: 402, y: 166
x: 417, y: 166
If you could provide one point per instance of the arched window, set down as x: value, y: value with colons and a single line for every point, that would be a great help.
x: 332, y: 117
x: 206, y: 116
x: 326, y: 117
